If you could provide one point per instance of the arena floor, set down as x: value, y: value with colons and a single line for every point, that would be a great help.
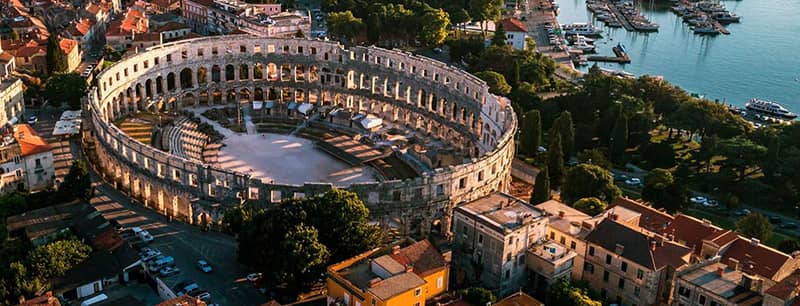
x: 288, y: 160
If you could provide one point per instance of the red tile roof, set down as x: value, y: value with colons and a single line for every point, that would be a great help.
x: 758, y: 259
x: 425, y: 258
x: 82, y: 27
x: 172, y: 26
x: 692, y: 232
x: 786, y: 287
x: 67, y: 45
x: 29, y: 141
x: 513, y: 25
x: 652, y: 219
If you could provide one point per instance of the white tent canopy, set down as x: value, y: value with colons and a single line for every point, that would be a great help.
x: 371, y: 122
x: 67, y: 127
x: 305, y: 108
x: 258, y: 105
x: 71, y: 115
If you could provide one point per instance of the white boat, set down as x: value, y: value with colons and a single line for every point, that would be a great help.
x: 769, y: 108
x: 585, y: 29
x: 705, y: 29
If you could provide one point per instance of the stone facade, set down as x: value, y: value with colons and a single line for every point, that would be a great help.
x: 448, y: 104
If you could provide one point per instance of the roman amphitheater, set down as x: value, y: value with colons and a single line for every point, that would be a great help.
x: 193, y: 127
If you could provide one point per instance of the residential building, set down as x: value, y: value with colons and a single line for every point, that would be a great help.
x: 36, y: 157
x: 704, y: 238
x: 12, y: 104
x: 72, y: 53
x: 47, y: 299
x: 631, y: 266
x: 7, y: 64
x: 785, y: 292
x: 44, y: 225
x: 714, y: 283
x: 516, y: 33
x: 548, y: 262
x: 146, y: 40
x: 755, y: 258
x: 123, y: 30
x: 164, y: 6
x: 398, y: 275
x: 196, y: 14
x: 173, y: 31
x: 494, y: 234
x: 568, y: 227
x: 83, y: 31
x: 649, y: 218
x: 28, y: 54
x: 519, y: 299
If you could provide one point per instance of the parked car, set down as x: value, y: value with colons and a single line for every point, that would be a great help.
x: 253, y: 276
x: 774, y: 219
x: 634, y: 181
x: 711, y: 203
x: 187, y: 288
x: 200, y: 294
x: 148, y: 253
x: 169, y: 271
x: 619, y: 177
x: 789, y: 225
x: 742, y: 212
x: 204, y: 266
x: 698, y: 200
x: 32, y: 120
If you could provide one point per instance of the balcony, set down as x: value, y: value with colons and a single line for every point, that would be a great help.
x: 550, y: 260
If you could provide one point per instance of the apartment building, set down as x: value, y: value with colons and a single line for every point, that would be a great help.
x: 714, y: 283
x: 631, y: 266
x: 495, y: 233
x: 568, y: 227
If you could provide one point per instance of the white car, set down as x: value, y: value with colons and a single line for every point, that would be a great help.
x: 698, y: 200
x: 32, y: 120
x: 149, y: 254
x: 169, y: 271
x: 634, y: 181
x: 143, y: 234
x: 711, y: 203
x: 204, y: 266
x: 253, y: 276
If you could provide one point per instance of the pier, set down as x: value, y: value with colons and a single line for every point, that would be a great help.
x: 621, y: 17
x: 609, y: 59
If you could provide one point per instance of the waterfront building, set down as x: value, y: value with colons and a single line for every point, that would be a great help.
x: 516, y: 33
x: 398, y: 275
x: 495, y: 232
x: 36, y: 158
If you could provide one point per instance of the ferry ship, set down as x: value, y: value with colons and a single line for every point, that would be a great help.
x: 769, y: 108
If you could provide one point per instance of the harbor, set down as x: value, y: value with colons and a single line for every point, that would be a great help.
x: 705, y: 17
x: 621, y: 13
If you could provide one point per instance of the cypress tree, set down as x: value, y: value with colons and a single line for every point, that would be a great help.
x: 541, y: 189
x: 531, y: 132
x: 555, y: 160
x: 56, y: 59
x: 619, y: 139
x: 516, y: 76
x: 499, y: 38
x: 567, y: 130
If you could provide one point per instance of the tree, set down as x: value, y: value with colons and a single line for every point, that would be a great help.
x: 434, y: 27
x: 305, y: 255
x: 497, y: 82
x: 541, y: 189
x: 619, y: 139
x: 590, y: 206
x: 565, y: 293
x: 344, y: 24
x: 477, y: 296
x: 485, y: 10
x: 531, y: 138
x: 14, y: 35
x: 499, y: 38
x: 555, y: 160
x: 567, y: 131
x: 755, y: 225
x: 661, y: 188
x: 584, y: 180
x: 111, y: 54
x: 236, y: 217
x: 56, y: 59
x: 594, y: 157
x: 69, y: 87
x: 56, y: 258
x: 77, y: 184
x: 742, y: 155
x: 465, y: 50
x: 659, y: 155
x: 789, y: 245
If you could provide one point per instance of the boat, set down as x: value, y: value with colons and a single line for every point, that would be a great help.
x: 585, y: 29
x: 726, y: 17
x: 705, y: 30
x: 769, y: 108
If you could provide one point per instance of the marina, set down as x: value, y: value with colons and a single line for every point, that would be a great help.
x: 621, y: 13
x: 705, y: 17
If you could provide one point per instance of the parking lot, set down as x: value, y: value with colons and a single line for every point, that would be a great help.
x: 184, y: 242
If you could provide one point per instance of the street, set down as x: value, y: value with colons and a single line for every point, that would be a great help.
x: 184, y: 242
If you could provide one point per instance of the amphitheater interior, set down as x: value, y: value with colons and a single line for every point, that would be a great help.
x: 427, y: 136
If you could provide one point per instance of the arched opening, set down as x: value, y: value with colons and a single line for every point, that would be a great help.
x: 313, y: 75
x: 188, y: 99
x: 258, y: 71
x: 244, y: 72
x: 299, y: 73
x: 186, y: 78
x: 229, y: 73
x: 202, y: 98
x: 231, y: 97
x: 148, y: 86
x: 215, y: 74
x: 244, y: 95
x: 159, y: 86
x: 272, y: 94
x: 202, y: 76
x: 299, y: 95
x: 286, y: 72
x: 216, y: 96
x: 171, y: 81
x: 272, y: 72
x: 258, y: 95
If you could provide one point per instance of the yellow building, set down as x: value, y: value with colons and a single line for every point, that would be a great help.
x: 401, y: 276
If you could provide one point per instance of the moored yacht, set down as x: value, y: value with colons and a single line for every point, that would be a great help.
x: 769, y: 108
x: 585, y: 29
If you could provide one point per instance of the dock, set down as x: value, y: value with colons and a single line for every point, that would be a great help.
x: 609, y: 59
x: 621, y: 18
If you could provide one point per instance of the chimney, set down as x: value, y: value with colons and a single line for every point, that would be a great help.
x: 396, y: 249
x: 754, y: 241
x: 613, y: 216
x: 409, y: 268
x: 653, y: 244
x: 720, y: 271
x: 374, y: 282
x: 619, y: 249
x: 561, y: 214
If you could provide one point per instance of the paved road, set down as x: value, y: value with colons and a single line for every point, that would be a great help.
x: 186, y: 243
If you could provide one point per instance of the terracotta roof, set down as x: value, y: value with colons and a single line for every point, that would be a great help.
x: 518, y: 299
x: 636, y: 245
x: 29, y: 141
x: 67, y: 45
x: 46, y: 299
x: 28, y: 51
x: 652, y: 219
x: 425, y: 258
x: 513, y: 25
x: 172, y: 26
x: 786, y: 287
x: 692, y: 231
x: 81, y: 27
x: 757, y: 258
x: 147, y: 37
x: 93, y: 8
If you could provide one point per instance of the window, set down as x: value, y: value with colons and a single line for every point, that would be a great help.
x: 169, y: 59
x: 624, y: 266
x: 591, y: 251
x: 608, y: 259
x: 572, y: 245
x: 702, y: 300
x: 480, y: 238
x: 639, y: 274
x: 417, y: 291
x: 508, y: 274
x: 508, y: 257
x: 199, y: 52
x: 373, y: 303
x: 621, y: 283
x: 684, y: 292
x: 636, y: 291
x: 214, y: 51
x: 563, y: 240
x: 588, y: 267
x: 462, y: 183
x: 605, y: 276
x: 242, y: 49
x: 552, y: 235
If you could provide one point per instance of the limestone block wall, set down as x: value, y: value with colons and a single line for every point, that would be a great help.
x: 431, y: 97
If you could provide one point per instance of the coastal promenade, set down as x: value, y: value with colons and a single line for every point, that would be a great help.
x: 537, y: 14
